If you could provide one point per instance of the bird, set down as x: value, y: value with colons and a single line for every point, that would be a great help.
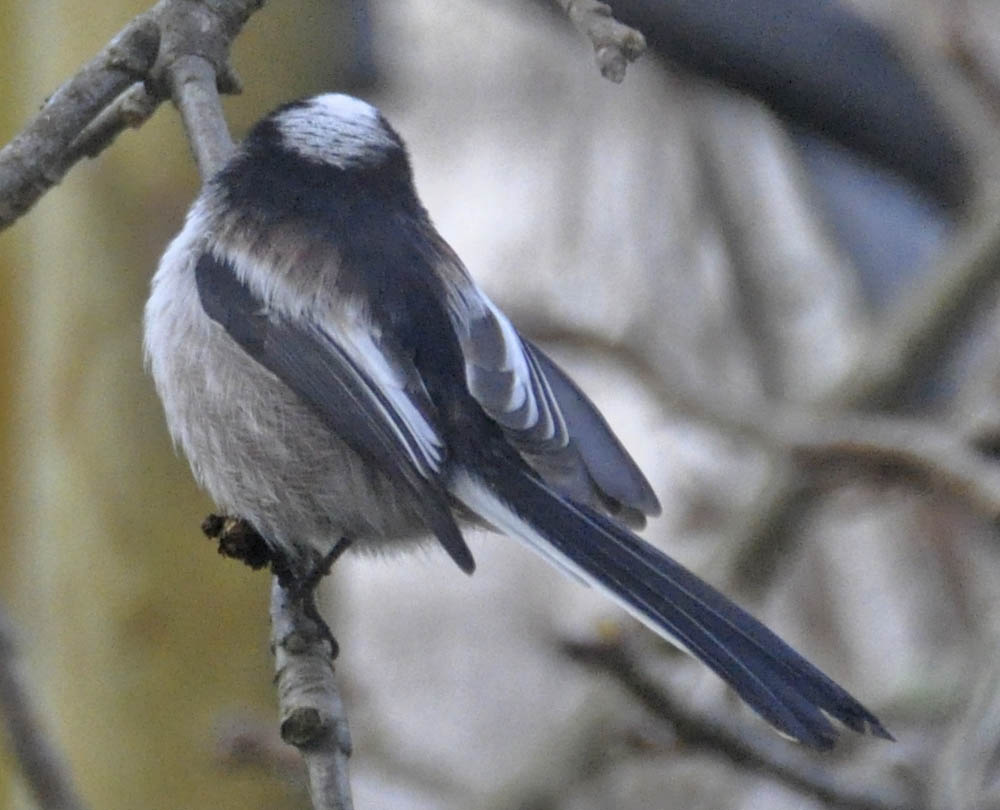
x: 333, y: 373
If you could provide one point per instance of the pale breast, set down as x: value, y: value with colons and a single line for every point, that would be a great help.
x: 258, y: 450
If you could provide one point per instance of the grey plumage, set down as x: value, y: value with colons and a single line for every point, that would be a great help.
x: 252, y: 443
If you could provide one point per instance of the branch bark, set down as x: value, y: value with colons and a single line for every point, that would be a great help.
x: 35, y: 160
x: 85, y: 114
x: 313, y: 718
x: 192, y: 86
x: 130, y: 110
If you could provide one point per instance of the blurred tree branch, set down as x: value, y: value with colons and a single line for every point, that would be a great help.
x: 721, y: 736
x: 852, y: 421
x: 922, y: 451
x: 43, y: 767
x: 926, y: 451
x: 910, y: 345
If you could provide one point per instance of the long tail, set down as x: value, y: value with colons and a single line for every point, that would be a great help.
x: 777, y: 682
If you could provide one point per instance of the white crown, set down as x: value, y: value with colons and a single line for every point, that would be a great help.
x: 337, y: 129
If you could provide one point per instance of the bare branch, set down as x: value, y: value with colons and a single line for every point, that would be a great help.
x: 84, y: 115
x: 130, y: 110
x: 36, y: 159
x: 193, y: 67
x: 313, y: 718
x: 43, y: 767
x: 930, y: 453
x: 720, y: 735
x: 192, y: 86
x: 933, y: 453
x: 615, y: 44
x: 204, y: 28
x: 911, y: 343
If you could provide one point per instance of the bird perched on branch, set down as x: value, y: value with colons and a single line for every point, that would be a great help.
x: 332, y: 372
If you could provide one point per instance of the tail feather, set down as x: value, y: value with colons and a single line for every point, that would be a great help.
x: 778, y: 683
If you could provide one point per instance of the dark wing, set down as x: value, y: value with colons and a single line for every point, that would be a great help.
x: 388, y: 427
x: 543, y: 413
x: 612, y: 470
x: 506, y: 382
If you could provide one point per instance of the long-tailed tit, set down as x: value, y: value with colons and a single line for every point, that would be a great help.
x: 331, y: 370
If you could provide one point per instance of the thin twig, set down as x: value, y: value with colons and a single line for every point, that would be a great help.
x: 615, y: 44
x: 42, y: 766
x: 193, y: 67
x: 933, y: 454
x: 720, y: 735
x: 313, y: 718
x: 192, y: 86
x: 129, y: 111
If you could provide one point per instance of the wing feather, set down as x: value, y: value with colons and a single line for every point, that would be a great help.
x: 543, y: 413
x: 350, y: 386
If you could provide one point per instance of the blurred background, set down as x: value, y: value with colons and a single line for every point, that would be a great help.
x: 770, y: 256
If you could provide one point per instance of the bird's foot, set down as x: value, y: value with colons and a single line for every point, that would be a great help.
x: 302, y: 590
x: 238, y: 540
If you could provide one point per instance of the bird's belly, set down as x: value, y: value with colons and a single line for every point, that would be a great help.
x: 262, y: 454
